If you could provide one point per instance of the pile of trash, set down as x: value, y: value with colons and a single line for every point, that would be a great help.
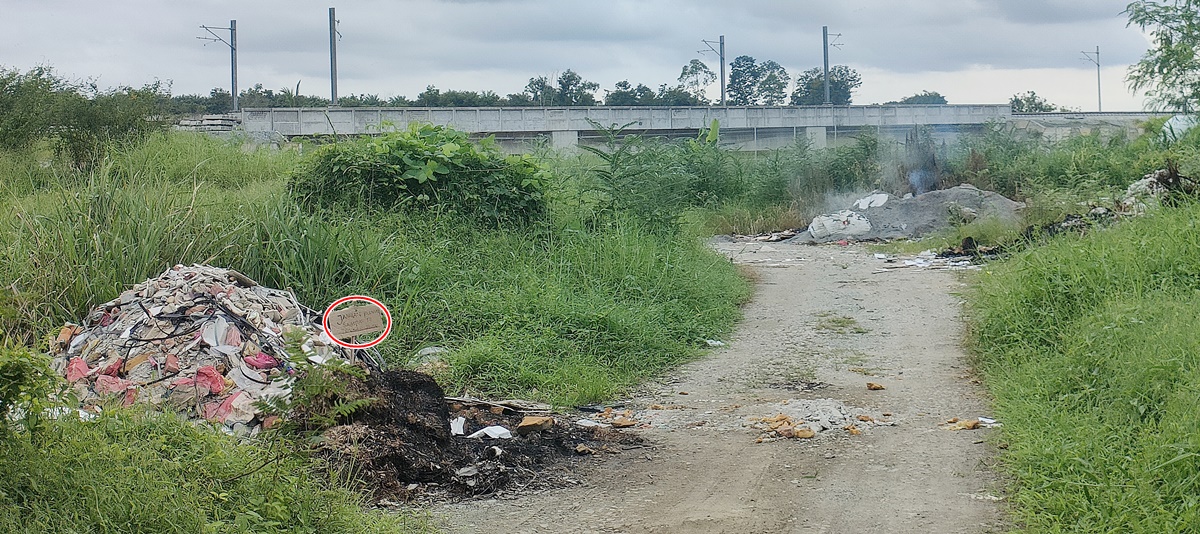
x: 880, y: 216
x: 201, y: 340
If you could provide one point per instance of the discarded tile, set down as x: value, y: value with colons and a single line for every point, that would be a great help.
x: 535, y: 423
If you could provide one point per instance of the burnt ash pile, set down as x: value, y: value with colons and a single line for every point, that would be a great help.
x: 403, y: 448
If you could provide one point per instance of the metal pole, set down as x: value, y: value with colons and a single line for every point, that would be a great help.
x: 332, y: 58
x: 233, y: 60
x: 722, y: 54
x: 1099, y: 105
x: 825, y: 45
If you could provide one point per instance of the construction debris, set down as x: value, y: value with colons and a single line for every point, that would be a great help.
x: 201, y: 340
x: 879, y: 216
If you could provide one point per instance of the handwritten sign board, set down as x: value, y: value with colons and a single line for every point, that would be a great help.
x: 355, y: 321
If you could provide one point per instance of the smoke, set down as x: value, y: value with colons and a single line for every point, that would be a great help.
x: 922, y: 181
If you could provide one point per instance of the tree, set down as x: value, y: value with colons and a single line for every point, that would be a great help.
x: 678, y: 96
x: 924, y: 97
x: 744, y: 75
x: 1030, y: 102
x: 573, y: 90
x: 540, y: 91
x: 1169, y: 72
x: 695, y: 77
x: 625, y: 94
x: 772, y: 88
x: 810, y: 86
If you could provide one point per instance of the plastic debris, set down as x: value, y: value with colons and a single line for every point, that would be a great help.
x: 457, y: 426
x: 497, y: 432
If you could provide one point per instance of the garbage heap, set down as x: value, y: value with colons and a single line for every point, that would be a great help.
x: 201, y: 340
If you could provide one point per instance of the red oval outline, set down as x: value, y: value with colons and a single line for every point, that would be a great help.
x: 387, y: 330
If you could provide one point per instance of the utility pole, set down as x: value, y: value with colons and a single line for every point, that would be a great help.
x: 825, y: 46
x: 232, y: 44
x: 720, y: 54
x: 333, y: 35
x: 1096, y: 60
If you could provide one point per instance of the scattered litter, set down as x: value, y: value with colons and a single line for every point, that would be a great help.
x: 871, y: 201
x: 495, y: 431
x: 588, y: 423
x: 714, y: 343
x: 874, y: 387
x: 456, y: 426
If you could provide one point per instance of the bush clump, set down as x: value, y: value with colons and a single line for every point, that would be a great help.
x: 424, y: 168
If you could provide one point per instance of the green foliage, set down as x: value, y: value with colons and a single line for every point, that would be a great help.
x: 1030, y: 102
x: 80, y: 120
x: 810, y: 86
x: 1090, y: 350
x: 26, y: 383
x: 1169, y: 72
x: 322, y: 395
x: 744, y: 75
x: 424, y: 168
x: 637, y: 177
x: 139, y: 472
x: 695, y: 77
x: 924, y: 97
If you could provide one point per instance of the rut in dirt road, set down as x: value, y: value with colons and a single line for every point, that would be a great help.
x: 823, y: 323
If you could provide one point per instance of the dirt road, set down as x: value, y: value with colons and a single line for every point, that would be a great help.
x: 822, y: 324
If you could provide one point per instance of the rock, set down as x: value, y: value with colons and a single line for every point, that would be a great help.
x: 803, y: 433
x: 534, y: 423
x: 623, y: 422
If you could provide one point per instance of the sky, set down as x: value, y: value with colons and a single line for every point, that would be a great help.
x: 970, y: 51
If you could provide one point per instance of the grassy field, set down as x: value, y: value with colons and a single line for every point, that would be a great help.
x: 569, y: 309
x: 1091, y: 350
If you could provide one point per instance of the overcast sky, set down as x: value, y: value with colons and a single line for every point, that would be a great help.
x: 971, y: 51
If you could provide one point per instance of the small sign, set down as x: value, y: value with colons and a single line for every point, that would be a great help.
x: 363, y: 315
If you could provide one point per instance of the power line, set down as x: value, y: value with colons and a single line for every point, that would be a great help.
x: 721, y: 54
x: 1088, y: 56
x: 233, y: 52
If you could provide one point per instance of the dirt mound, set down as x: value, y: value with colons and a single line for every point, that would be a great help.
x: 882, y: 216
x: 403, y: 447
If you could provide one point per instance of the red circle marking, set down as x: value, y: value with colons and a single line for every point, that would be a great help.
x: 387, y: 329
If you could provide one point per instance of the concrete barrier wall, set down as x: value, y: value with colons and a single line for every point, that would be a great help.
x: 354, y: 121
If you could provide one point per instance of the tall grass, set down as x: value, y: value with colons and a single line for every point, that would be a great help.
x: 135, y: 472
x: 1090, y: 349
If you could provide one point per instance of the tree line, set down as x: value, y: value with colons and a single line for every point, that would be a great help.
x: 750, y: 83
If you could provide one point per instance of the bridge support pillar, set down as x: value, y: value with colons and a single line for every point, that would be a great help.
x: 817, y: 136
x: 564, y: 139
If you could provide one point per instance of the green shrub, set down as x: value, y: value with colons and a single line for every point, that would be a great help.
x: 428, y: 168
x: 26, y: 382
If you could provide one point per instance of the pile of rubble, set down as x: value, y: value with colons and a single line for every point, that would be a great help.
x: 806, y: 419
x: 204, y: 341
x: 880, y: 216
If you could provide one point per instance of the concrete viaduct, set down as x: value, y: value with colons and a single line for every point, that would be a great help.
x: 746, y: 128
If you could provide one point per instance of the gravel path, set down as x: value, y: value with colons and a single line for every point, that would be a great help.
x: 823, y: 323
